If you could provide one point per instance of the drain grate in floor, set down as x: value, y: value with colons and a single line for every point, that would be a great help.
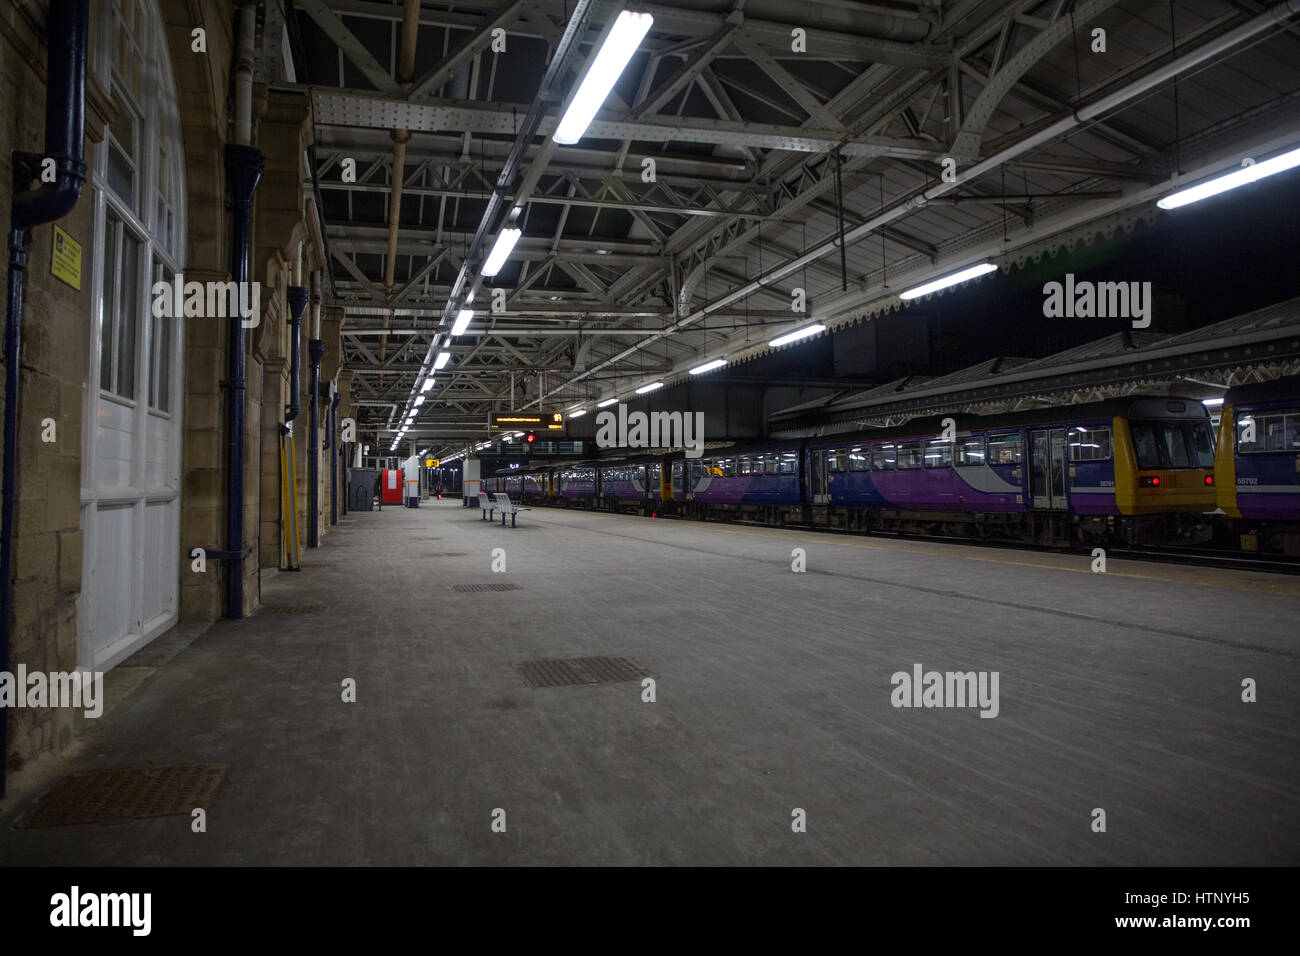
x: 292, y: 608
x: 134, y: 792
x: 580, y: 670
x: 472, y: 588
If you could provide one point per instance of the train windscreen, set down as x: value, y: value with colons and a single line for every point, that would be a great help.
x: 1173, y: 444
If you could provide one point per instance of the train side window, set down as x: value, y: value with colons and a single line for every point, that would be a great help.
x: 772, y: 465
x: 743, y: 466
x: 938, y: 453
x: 789, y: 463
x: 1278, y: 432
x: 1275, y: 433
x: 1006, y: 450
x: 909, y: 454
x: 1244, y: 429
x: 832, y: 461
x: 858, y: 460
x: 1089, y: 444
x: 970, y: 451
x: 883, y: 457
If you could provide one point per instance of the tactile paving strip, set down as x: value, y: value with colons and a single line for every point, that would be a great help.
x: 133, y: 792
x: 470, y: 588
x: 292, y: 608
x: 580, y: 670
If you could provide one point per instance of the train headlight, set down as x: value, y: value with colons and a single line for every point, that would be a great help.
x: 1209, y: 479
x: 1149, y: 481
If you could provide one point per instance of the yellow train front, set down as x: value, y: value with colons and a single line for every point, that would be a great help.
x: 1164, y: 459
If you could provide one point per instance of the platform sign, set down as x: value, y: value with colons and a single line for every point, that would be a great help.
x: 65, y: 259
x: 526, y: 421
x: 430, y: 463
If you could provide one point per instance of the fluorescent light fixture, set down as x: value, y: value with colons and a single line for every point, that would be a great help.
x: 462, y: 321
x: 649, y: 388
x: 427, y: 384
x: 578, y: 414
x: 623, y: 39
x: 796, y: 335
x: 708, y: 366
x: 419, y: 400
x: 608, y: 401
x: 443, y: 359
x: 1212, y: 402
x: 501, y: 250
x: 984, y: 268
x: 1238, y: 177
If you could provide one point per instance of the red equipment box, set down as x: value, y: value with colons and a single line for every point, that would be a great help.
x: 390, y: 483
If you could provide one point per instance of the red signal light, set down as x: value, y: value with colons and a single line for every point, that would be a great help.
x: 530, y: 438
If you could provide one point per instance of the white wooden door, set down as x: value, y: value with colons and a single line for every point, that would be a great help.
x: 131, y: 435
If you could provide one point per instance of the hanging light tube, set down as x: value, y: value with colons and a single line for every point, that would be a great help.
x: 463, y: 318
x: 984, y: 268
x: 501, y: 250
x: 1238, y: 177
x: 796, y: 335
x: 623, y: 39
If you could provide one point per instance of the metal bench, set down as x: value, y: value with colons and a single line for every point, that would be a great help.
x: 507, y: 507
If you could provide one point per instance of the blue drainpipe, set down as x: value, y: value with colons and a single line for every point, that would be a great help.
x: 65, y: 115
x: 297, y: 296
x: 244, y: 166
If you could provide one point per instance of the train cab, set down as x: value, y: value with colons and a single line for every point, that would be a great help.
x: 1164, y: 457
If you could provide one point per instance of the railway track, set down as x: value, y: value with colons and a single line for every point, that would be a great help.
x: 1199, y: 557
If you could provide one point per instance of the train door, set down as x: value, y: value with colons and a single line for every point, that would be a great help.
x: 817, y: 476
x: 1047, y: 468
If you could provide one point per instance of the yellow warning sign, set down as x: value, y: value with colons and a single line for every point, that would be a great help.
x: 437, y: 463
x: 430, y: 463
x: 65, y: 259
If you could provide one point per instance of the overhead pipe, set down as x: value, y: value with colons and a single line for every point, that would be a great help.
x: 400, y: 137
x: 1277, y: 14
x: 244, y: 164
x: 316, y: 351
x: 66, y: 29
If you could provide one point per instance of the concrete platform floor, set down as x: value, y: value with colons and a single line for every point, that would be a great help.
x: 1119, y: 691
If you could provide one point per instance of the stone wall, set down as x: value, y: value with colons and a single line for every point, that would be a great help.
x: 52, y: 366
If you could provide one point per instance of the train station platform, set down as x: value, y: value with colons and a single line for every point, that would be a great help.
x: 773, y: 692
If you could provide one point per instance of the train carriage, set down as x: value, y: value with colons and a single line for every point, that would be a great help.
x: 1258, y: 464
x: 1132, y: 470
